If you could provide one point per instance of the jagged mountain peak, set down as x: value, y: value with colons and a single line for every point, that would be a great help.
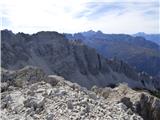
x: 91, y: 33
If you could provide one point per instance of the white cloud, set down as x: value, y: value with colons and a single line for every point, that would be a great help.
x: 35, y: 15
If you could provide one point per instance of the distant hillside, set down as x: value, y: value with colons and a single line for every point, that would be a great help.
x: 152, y: 37
x: 140, y: 53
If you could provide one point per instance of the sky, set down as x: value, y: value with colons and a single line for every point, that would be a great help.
x: 71, y: 16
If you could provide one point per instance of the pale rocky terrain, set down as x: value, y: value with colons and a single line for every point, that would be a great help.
x: 30, y: 94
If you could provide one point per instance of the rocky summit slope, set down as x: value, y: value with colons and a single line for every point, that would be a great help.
x: 30, y: 94
x: 74, y: 61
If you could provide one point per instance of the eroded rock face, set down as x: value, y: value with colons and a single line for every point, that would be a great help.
x: 62, y: 100
x: 149, y: 107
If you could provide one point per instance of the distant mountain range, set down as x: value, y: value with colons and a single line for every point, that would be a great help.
x: 142, y: 54
x: 151, y: 37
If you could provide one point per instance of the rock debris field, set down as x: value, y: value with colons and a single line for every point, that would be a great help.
x: 30, y: 94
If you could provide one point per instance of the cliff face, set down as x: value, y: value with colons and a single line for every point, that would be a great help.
x: 70, y: 59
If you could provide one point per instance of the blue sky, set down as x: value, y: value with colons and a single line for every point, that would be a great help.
x: 70, y: 16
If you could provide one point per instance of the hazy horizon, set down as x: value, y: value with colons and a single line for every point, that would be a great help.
x: 126, y: 17
x: 74, y: 32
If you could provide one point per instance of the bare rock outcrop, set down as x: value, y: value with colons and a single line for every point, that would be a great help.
x: 146, y: 105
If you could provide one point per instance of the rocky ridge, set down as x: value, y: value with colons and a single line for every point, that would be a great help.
x: 30, y: 94
x: 73, y: 60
